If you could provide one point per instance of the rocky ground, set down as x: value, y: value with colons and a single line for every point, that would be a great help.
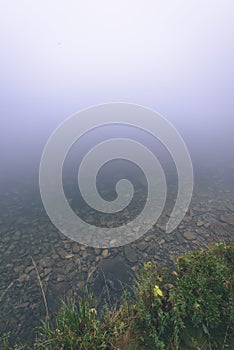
x: 33, y: 251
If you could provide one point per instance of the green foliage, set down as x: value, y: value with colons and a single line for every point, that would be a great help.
x: 189, y: 308
x: 77, y: 327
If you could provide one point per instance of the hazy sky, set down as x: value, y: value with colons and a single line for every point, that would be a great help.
x: 57, y: 57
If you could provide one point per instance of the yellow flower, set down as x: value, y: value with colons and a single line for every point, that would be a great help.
x: 93, y: 310
x: 148, y: 265
x: 157, y: 291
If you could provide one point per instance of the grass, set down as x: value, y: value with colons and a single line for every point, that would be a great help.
x: 189, y: 308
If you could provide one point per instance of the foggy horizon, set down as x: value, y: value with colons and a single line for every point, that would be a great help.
x: 56, y: 61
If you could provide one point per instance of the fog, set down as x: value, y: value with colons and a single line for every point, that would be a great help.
x: 57, y: 57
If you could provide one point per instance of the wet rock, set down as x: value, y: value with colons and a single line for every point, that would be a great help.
x: 142, y: 245
x: 189, y: 235
x: 68, y: 256
x: 47, y: 271
x: 97, y: 251
x: 23, y: 278
x: 200, y: 223
x: 46, y: 262
x: 76, y: 249
x: 105, y: 253
x: 161, y: 242
x: 130, y: 254
x: 28, y: 269
x: 113, y: 242
x: 228, y: 218
x: 219, y: 228
x: 60, y: 278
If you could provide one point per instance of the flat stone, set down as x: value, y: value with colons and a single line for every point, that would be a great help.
x: 130, y: 254
x: 228, y: 218
x: 142, y: 245
x: 189, y: 235
x: 47, y: 271
x: 60, y: 278
x: 113, y: 242
x: 200, y: 223
x: 69, y: 256
x: 97, y: 251
x: 219, y: 228
x: 187, y: 218
x: 28, y: 269
x: 105, y: 253
x: 161, y: 242
x: 23, y: 278
x: 76, y: 249
x: 46, y: 262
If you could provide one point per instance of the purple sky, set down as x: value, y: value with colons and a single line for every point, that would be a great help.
x: 58, y: 57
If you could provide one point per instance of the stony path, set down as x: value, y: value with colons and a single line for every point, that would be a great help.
x: 27, y: 236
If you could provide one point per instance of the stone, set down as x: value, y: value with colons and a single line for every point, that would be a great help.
x: 47, y: 271
x: 28, y: 269
x: 113, y: 242
x: 45, y: 262
x: 60, y: 278
x: 189, y: 235
x: 76, y: 249
x: 200, y: 223
x: 219, y: 228
x: 23, y: 278
x: 105, y: 253
x: 130, y: 254
x: 161, y: 242
x: 228, y: 218
x: 142, y: 245
x: 97, y: 251
x: 69, y: 256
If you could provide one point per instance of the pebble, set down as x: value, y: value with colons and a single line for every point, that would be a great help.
x: 23, y: 278
x: 161, y: 242
x: 189, y: 235
x: 142, y: 245
x: 105, y: 253
x: 130, y: 254
x: 228, y: 218
x: 200, y: 223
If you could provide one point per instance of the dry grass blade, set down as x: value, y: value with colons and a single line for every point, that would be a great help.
x: 5, y: 291
x: 42, y: 289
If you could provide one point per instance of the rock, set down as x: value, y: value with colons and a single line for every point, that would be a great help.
x: 200, y: 223
x: 65, y: 255
x: 47, y: 271
x: 76, y: 249
x: 161, y: 242
x: 97, y: 251
x: 69, y: 256
x: 219, y: 228
x: 187, y: 218
x: 105, y: 253
x: 113, y: 242
x: 45, y: 262
x: 142, y: 245
x: 189, y: 235
x: 130, y: 254
x: 60, y: 278
x: 23, y: 278
x: 228, y: 218
x: 28, y: 269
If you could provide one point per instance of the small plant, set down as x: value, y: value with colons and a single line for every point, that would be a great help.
x: 77, y: 327
x: 189, y: 308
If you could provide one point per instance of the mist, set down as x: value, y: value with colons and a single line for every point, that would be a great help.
x: 173, y: 57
